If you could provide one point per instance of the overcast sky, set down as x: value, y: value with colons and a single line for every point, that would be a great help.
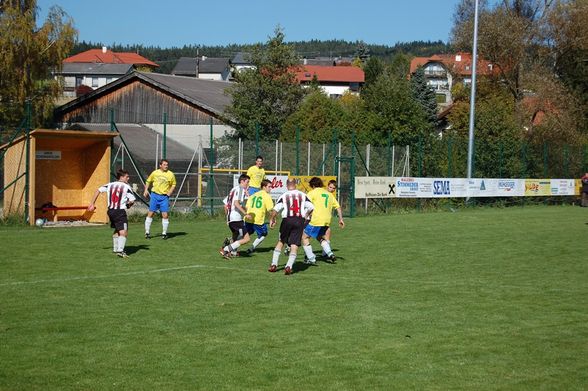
x: 192, y: 22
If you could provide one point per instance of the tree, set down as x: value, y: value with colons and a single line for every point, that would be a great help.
x: 28, y: 54
x: 373, y: 69
x: 390, y: 100
x: 424, y: 95
x: 536, y: 48
x: 266, y: 95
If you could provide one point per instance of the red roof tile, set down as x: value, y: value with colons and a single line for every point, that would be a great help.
x: 463, y: 67
x: 110, y: 57
x: 347, y: 74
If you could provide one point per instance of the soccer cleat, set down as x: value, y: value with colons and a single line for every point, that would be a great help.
x: 225, y: 254
x: 249, y: 251
x: 164, y: 236
x: 122, y: 254
x: 309, y: 262
x: 147, y: 235
x: 272, y: 269
x: 332, y: 258
x: 287, y: 270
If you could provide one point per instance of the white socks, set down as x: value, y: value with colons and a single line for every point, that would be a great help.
x: 258, y: 241
x: 148, y: 221
x: 326, y: 247
x: 309, y: 254
x: 164, y: 224
x: 275, y: 257
x: 122, y: 241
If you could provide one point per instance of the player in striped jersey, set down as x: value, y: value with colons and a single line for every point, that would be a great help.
x: 295, y: 207
x: 120, y: 198
x: 235, y: 208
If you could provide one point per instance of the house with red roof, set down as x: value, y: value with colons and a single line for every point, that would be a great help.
x: 334, y: 80
x: 444, y: 70
x: 94, y: 68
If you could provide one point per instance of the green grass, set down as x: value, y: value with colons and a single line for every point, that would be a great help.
x: 483, y: 299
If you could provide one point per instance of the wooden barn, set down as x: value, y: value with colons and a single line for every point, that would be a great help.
x: 144, y: 98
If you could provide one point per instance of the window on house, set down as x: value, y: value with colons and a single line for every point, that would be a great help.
x: 94, y: 82
x: 79, y: 81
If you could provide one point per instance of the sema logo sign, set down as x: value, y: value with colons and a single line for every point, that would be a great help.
x: 441, y: 188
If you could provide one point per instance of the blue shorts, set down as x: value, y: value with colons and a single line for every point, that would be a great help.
x: 159, y: 202
x: 253, y: 190
x: 315, y: 232
x: 260, y: 230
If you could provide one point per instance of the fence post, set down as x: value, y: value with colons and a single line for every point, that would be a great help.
x: 585, y: 160
x: 501, y: 158
x: 566, y: 165
x: 389, y: 154
x: 297, y: 150
x: 211, y: 171
x: 28, y: 111
x: 164, y: 143
x: 545, y: 161
x: 256, y: 139
x: 449, y: 157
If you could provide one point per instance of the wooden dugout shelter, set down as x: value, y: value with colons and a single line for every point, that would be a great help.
x: 65, y: 168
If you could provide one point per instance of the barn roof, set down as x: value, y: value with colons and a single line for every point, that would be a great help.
x: 206, y: 94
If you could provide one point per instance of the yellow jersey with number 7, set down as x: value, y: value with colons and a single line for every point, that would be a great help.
x: 324, y: 203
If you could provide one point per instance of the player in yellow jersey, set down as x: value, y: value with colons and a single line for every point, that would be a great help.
x: 164, y: 183
x: 257, y: 174
x: 324, y: 202
x: 257, y: 207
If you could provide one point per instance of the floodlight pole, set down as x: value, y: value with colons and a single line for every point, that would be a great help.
x: 473, y: 93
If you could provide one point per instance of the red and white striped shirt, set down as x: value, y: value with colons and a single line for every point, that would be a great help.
x: 119, y: 193
x: 293, y: 203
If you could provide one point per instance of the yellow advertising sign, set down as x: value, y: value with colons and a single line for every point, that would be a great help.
x: 302, y: 181
x: 537, y: 187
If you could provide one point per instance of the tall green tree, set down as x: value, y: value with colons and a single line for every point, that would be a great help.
x: 425, y: 95
x: 391, y: 102
x: 372, y: 70
x: 28, y: 54
x: 266, y: 95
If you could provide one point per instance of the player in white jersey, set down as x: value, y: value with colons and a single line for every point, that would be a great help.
x: 120, y: 198
x: 235, y: 208
x: 295, y: 207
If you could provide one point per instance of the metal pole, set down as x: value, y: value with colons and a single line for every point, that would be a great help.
x: 27, y: 161
x: 256, y: 140
x: 164, y: 143
x: 297, y: 151
x: 308, y: 160
x: 277, y: 153
x: 211, y: 173
x: 473, y: 92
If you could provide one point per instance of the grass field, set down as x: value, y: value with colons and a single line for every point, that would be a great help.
x: 486, y: 299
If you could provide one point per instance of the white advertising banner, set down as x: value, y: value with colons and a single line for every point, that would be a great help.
x: 410, y: 187
x: 374, y: 187
x: 278, y: 186
x: 563, y: 187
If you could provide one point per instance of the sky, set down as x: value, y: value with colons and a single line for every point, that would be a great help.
x: 193, y: 22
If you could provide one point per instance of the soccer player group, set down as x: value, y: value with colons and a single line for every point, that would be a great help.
x: 247, y: 207
x: 304, y: 216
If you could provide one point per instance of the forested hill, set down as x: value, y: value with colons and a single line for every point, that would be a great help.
x: 167, y: 57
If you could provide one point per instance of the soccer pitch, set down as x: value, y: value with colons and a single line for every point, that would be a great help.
x: 480, y: 299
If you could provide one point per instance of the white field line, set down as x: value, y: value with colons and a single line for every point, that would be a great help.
x: 78, y: 278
